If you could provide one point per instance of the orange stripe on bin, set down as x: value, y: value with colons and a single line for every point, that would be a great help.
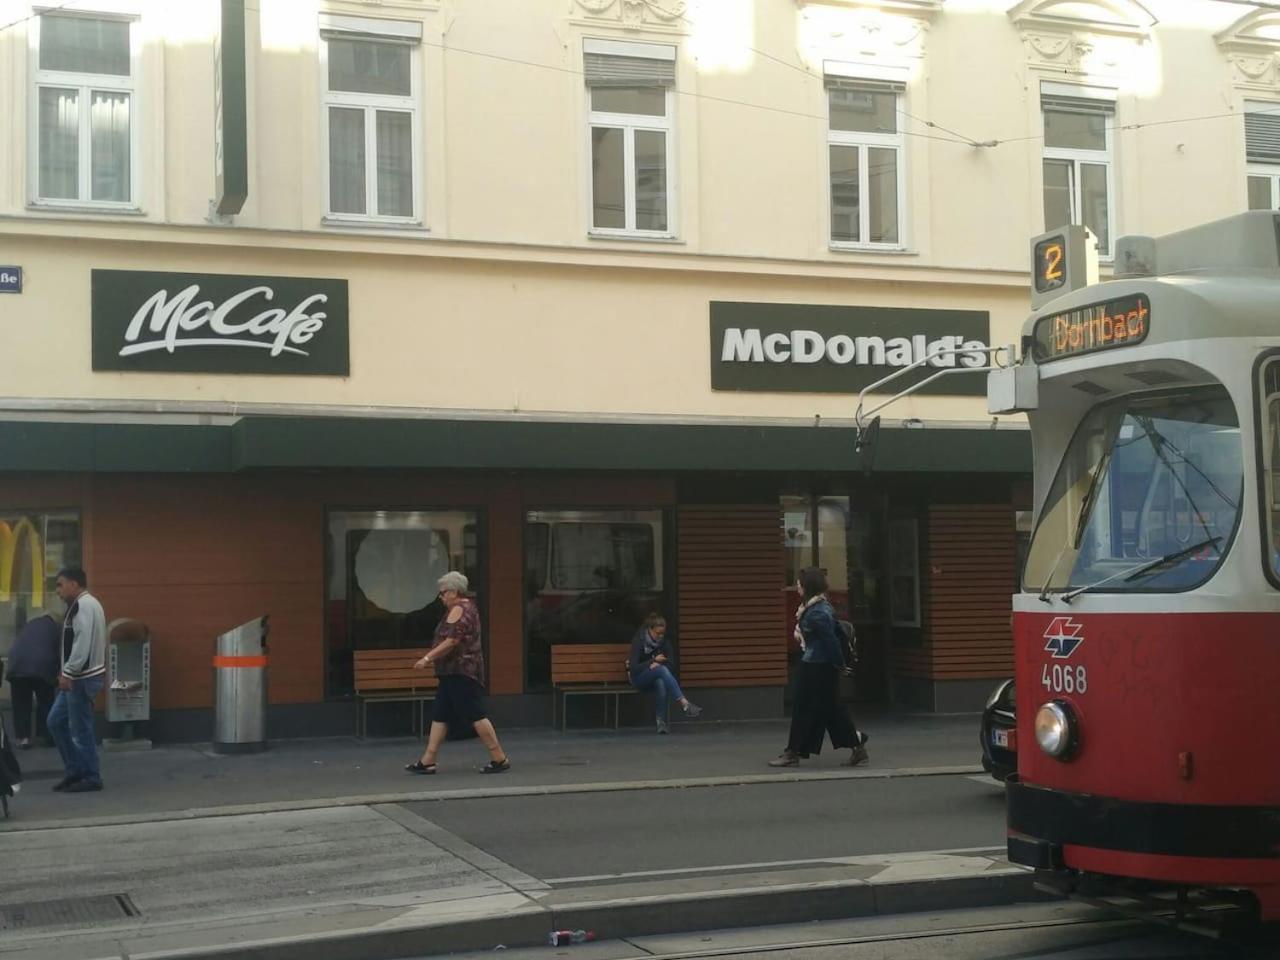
x: 239, y: 661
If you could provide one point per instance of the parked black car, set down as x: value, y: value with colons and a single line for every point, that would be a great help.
x: 999, y: 735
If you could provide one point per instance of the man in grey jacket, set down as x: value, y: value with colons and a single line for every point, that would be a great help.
x: 84, y: 668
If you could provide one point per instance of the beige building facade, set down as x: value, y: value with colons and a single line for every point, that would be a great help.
x: 576, y: 295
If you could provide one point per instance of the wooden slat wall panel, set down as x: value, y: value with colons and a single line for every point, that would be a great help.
x: 731, y: 614
x: 968, y: 590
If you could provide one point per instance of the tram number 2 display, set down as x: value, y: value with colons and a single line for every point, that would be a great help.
x: 1064, y: 679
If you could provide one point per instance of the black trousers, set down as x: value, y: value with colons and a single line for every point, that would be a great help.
x: 24, y: 691
x: 816, y: 711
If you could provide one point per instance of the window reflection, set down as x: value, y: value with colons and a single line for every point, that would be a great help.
x: 383, y: 568
x: 590, y: 577
x: 34, y: 546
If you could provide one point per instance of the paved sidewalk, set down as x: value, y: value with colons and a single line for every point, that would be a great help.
x: 322, y: 848
x: 184, y: 780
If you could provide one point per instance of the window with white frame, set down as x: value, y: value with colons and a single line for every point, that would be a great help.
x: 83, y: 143
x: 630, y: 91
x: 864, y: 150
x: 1262, y: 151
x: 371, y: 119
x: 1078, y: 160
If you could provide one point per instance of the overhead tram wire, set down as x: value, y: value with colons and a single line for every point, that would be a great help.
x: 38, y: 13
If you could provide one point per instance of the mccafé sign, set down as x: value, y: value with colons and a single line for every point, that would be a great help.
x: 815, y: 348
x: 1099, y: 326
x: 219, y: 323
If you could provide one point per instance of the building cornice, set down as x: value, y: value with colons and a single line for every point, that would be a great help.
x: 888, y: 268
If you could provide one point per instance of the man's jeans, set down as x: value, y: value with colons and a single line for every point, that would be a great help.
x: 71, y: 726
x: 664, y: 685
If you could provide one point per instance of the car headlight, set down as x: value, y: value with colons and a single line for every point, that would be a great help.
x: 1057, y: 730
x: 997, y: 693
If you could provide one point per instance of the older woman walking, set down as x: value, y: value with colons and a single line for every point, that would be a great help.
x: 459, y: 662
x: 816, y: 709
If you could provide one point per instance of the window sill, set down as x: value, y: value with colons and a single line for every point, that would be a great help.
x: 392, y: 227
x: 898, y: 251
x: 668, y: 238
x: 80, y: 209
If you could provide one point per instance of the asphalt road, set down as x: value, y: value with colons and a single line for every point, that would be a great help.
x: 1030, y: 932
x: 610, y: 834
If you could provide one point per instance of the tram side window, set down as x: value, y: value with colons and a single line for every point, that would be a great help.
x: 1270, y: 391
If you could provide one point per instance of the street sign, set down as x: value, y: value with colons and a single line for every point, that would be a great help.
x: 10, y: 279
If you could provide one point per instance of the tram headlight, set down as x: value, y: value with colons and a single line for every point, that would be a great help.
x: 1057, y: 730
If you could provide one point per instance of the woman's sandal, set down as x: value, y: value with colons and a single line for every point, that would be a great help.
x: 497, y: 766
x: 419, y: 767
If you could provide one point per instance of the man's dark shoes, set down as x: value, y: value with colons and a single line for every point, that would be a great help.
x: 84, y: 786
x: 66, y: 782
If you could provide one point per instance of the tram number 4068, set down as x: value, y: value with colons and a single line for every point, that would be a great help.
x: 1062, y: 679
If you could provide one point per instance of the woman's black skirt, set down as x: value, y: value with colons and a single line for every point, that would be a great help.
x: 816, y: 710
x: 459, y: 703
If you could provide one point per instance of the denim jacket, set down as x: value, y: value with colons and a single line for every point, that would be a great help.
x: 821, y: 640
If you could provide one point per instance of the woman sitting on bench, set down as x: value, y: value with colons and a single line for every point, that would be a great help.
x: 648, y: 663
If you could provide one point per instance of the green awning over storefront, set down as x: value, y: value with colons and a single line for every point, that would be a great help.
x: 253, y: 443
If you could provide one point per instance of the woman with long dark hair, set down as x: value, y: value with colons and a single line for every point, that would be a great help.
x: 816, y: 709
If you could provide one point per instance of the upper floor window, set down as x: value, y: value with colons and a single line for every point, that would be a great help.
x: 1262, y: 151
x: 864, y: 148
x: 630, y: 90
x: 83, y: 123
x: 1078, y: 146
x: 371, y: 119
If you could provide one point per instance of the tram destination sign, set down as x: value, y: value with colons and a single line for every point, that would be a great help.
x: 1123, y: 322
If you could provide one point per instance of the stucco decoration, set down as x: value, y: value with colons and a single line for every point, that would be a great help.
x: 635, y: 13
x: 919, y: 8
x: 1252, y: 45
x: 861, y: 32
x: 1082, y: 37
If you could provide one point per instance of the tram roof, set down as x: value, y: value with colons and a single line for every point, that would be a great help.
x: 1221, y: 279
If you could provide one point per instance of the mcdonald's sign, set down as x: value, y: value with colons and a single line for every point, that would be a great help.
x: 16, y: 542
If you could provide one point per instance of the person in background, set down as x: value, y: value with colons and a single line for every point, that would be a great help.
x: 650, y: 666
x: 84, y: 668
x: 816, y: 709
x: 33, y: 675
x: 457, y: 655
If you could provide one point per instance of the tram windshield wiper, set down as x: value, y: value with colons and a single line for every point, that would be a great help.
x: 1142, y: 569
x: 1082, y: 518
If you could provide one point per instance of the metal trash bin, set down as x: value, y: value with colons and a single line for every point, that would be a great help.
x: 240, y: 689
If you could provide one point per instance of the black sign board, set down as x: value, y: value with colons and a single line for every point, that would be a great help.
x: 808, y: 348
x: 230, y: 111
x: 219, y: 323
x: 1099, y: 326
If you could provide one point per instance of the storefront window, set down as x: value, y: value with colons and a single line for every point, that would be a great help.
x: 846, y: 547
x: 381, y: 584
x: 34, y: 546
x: 590, y: 577
x: 904, y: 584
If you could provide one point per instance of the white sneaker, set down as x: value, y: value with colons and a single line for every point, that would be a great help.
x: 662, y: 726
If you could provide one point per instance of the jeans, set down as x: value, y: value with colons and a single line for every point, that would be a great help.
x: 23, y: 690
x: 71, y: 726
x: 664, y: 685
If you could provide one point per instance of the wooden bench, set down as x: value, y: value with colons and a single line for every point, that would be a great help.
x: 589, y: 669
x: 388, y: 676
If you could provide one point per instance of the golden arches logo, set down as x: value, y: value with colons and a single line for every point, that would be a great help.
x: 11, y: 539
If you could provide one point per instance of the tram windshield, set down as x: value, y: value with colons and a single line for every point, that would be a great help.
x: 1146, y: 499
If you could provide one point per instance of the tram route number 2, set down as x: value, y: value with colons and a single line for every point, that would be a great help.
x: 1063, y: 679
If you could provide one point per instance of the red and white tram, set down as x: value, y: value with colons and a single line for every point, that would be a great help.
x: 1147, y: 628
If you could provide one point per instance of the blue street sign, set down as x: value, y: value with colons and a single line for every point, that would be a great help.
x: 10, y: 279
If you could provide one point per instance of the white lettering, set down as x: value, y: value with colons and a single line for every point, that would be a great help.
x: 976, y: 356
x: 806, y: 346
x: 919, y: 348
x: 171, y: 318
x: 777, y: 348
x: 898, y: 352
x: 841, y: 349
x: 741, y: 346
x: 870, y: 350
